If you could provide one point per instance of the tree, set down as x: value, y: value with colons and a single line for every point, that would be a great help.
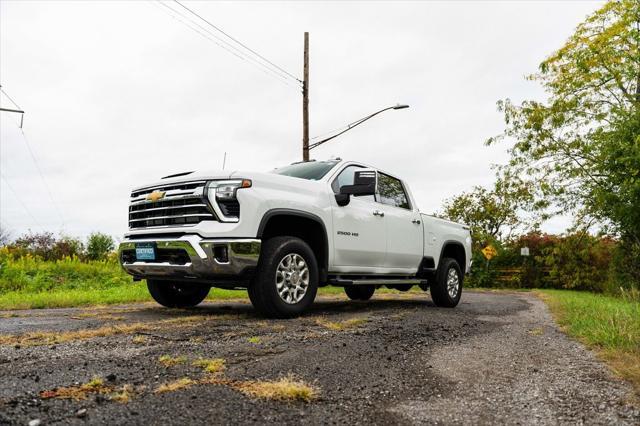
x: 99, y: 246
x: 5, y: 236
x: 37, y: 244
x: 581, y: 147
x: 493, y: 213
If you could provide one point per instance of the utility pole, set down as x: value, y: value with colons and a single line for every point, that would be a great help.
x: 305, y: 101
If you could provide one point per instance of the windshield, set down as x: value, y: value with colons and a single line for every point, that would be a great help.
x: 312, y: 170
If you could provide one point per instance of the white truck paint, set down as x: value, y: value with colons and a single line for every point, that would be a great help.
x: 196, y: 230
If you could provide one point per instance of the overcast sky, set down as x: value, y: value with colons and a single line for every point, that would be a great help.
x: 118, y: 94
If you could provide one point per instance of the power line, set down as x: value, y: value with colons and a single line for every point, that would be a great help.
x: 15, y: 194
x: 9, y: 97
x: 225, y: 45
x: 240, y: 43
x: 19, y: 110
x: 44, y: 181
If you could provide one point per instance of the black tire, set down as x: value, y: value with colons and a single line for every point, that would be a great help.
x: 263, y: 291
x: 175, y: 294
x: 439, y: 287
x: 359, y: 292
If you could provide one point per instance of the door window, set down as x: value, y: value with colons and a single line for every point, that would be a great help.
x: 391, y: 192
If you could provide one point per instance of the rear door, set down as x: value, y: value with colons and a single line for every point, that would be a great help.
x: 404, y: 225
x: 359, y: 230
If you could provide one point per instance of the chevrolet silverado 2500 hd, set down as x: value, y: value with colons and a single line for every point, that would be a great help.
x: 283, y: 234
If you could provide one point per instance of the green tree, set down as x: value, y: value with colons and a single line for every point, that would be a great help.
x: 99, y: 246
x: 493, y: 214
x: 581, y: 146
x: 569, y: 143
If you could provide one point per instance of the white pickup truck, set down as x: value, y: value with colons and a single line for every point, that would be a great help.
x: 283, y: 234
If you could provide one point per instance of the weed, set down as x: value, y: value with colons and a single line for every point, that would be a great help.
x: 140, y: 339
x: 169, y: 361
x: 341, y: 325
x: 182, y: 383
x: 123, y: 395
x: 210, y: 365
x: 286, y: 388
x: 94, y: 386
x: 254, y: 339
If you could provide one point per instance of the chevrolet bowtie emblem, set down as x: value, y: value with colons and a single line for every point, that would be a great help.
x: 156, y: 195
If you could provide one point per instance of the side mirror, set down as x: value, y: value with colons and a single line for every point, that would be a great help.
x: 364, y: 183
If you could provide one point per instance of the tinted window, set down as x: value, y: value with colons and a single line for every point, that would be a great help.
x: 312, y: 170
x: 391, y: 191
x: 344, y: 178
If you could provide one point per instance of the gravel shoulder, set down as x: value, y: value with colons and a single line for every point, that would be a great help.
x: 496, y: 358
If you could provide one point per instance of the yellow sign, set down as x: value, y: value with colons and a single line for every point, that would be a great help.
x: 155, y: 196
x: 489, y: 252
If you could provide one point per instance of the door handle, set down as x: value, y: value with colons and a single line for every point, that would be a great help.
x: 378, y: 213
x: 416, y: 221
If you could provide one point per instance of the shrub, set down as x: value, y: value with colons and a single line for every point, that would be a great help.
x: 99, y: 246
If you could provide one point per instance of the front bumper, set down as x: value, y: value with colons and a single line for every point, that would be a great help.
x: 194, y: 258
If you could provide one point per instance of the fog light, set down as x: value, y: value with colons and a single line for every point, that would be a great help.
x: 221, y: 254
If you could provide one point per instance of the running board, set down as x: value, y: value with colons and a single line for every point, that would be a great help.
x: 376, y: 281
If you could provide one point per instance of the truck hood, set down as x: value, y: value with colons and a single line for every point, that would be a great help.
x: 188, y: 177
x: 261, y: 177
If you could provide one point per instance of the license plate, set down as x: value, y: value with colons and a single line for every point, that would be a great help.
x: 145, y: 251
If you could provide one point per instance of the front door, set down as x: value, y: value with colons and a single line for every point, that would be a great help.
x: 359, y: 229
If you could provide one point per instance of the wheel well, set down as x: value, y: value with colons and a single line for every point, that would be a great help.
x: 308, y: 229
x: 455, y: 251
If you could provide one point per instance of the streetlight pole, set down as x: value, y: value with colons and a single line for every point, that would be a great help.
x: 354, y: 124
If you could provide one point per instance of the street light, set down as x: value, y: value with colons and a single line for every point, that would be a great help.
x: 354, y: 124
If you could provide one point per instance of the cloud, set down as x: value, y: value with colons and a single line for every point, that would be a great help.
x: 118, y: 94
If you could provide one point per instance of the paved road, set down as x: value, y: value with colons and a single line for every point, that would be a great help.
x: 496, y: 358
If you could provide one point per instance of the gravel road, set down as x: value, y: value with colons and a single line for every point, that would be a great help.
x: 397, y: 359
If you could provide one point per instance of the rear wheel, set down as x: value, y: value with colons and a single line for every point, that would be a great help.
x: 175, y: 294
x: 359, y: 292
x: 286, y: 280
x: 447, y: 287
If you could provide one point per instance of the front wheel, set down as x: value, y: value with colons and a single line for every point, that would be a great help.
x: 177, y: 294
x: 286, y: 279
x: 447, y: 288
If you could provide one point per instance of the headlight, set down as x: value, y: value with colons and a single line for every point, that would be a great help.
x: 226, y: 189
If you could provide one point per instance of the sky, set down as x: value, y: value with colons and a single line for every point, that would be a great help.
x: 120, y: 93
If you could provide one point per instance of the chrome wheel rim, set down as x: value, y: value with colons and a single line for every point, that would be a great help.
x: 292, y: 278
x: 453, y: 283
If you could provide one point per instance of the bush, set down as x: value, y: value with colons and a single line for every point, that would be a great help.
x: 99, y: 246
x: 577, y: 261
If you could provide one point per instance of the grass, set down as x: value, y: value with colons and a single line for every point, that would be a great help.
x: 341, y: 325
x: 182, y: 383
x: 287, y: 388
x: 610, y: 325
x: 170, y: 361
x: 92, y: 387
x: 211, y: 366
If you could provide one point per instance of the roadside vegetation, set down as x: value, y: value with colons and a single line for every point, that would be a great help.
x: 610, y: 325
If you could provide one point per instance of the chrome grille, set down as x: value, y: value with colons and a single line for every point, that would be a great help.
x: 183, y: 204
